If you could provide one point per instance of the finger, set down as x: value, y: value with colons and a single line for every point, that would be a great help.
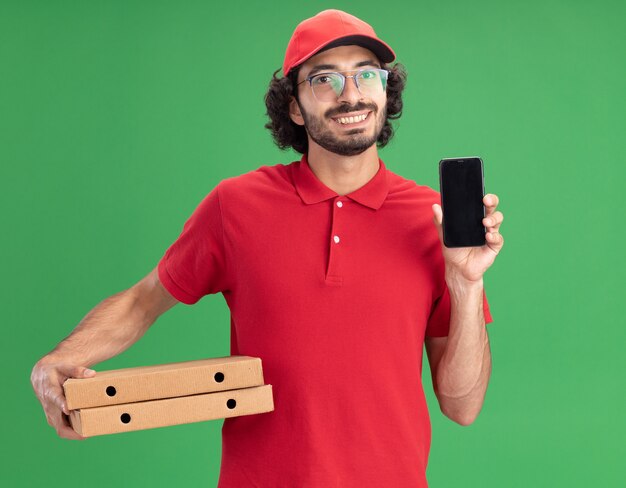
x: 438, y: 219
x: 59, y: 422
x: 64, y: 428
x: 76, y: 371
x: 491, y: 202
x: 438, y: 213
x: 495, y: 241
x: 493, y: 221
x: 56, y: 399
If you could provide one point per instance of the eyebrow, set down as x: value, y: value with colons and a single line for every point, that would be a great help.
x: 323, y: 67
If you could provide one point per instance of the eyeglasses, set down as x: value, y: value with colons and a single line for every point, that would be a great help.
x: 328, y: 87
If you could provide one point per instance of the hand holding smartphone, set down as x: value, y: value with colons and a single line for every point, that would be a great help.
x: 461, y: 182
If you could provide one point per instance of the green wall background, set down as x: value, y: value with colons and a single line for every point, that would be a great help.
x: 118, y: 117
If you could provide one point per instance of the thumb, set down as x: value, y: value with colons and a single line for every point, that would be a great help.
x: 77, y: 371
x: 438, y: 218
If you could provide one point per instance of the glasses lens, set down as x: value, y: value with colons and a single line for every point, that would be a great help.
x: 372, y: 82
x: 327, y: 86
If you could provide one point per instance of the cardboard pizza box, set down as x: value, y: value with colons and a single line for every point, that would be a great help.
x: 143, y: 383
x: 171, y: 411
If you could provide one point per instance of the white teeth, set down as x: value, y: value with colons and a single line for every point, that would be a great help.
x: 351, y: 120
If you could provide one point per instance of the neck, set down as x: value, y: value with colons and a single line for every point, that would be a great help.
x: 343, y: 174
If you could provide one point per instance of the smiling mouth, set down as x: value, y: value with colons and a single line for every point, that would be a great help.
x: 349, y: 121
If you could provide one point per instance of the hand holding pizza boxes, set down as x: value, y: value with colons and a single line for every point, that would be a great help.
x: 145, y: 397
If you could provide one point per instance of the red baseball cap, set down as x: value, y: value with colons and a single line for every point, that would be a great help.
x: 332, y: 28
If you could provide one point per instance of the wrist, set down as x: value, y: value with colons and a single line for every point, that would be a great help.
x: 459, y: 284
x: 61, y: 355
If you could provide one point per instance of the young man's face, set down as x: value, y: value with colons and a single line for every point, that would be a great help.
x: 326, y: 121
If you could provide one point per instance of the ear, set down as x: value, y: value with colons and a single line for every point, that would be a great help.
x: 294, y: 112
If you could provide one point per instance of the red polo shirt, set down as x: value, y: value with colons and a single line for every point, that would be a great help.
x: 335, y: 294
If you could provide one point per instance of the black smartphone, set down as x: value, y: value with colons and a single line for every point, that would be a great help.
x: 462, y: 187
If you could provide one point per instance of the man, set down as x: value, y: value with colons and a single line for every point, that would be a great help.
x: 336, y: 277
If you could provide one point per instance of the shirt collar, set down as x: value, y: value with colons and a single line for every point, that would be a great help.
x: 312, y: 190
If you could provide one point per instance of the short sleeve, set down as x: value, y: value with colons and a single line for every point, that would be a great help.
x: 439, y: 320
x: 195, y: 264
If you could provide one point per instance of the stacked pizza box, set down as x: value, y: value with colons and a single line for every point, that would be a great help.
x: 145, y: 397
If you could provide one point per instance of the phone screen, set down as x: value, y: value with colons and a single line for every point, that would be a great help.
x: 462, y: 190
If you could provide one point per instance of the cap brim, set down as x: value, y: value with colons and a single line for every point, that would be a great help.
x: 378, y: 47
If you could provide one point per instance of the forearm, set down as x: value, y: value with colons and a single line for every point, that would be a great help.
x: 465, y: 366
x: 109, y: 328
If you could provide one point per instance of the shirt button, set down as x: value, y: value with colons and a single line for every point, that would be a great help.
x: 336, y: 239
x: 340, y: 204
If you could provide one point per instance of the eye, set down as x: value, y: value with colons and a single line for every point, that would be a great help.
x: 369, y: 75
x: 322, y: 79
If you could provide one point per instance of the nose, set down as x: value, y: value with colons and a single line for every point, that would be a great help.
x: 350, y: 90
